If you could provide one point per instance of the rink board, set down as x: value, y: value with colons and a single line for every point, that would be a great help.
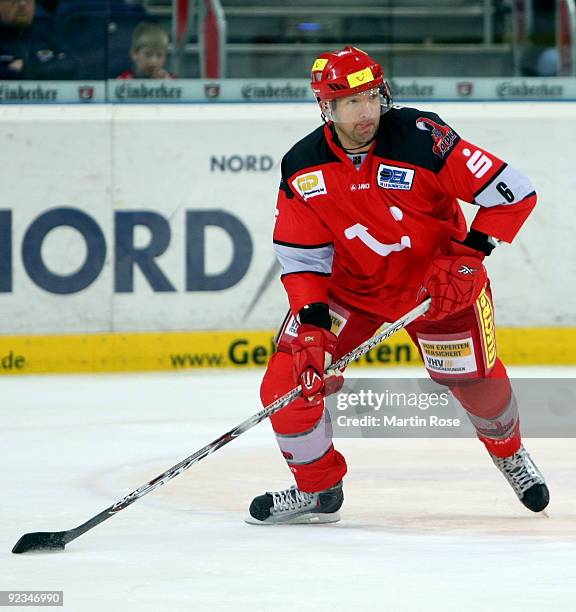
x: 114, y: 219
x: 109, y: 246
x: 238, y: 349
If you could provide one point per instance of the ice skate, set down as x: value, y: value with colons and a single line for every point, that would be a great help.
x: 525, y: 478
x: 292, y: 506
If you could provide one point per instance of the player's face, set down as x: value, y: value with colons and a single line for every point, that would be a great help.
x: 148, y: 61
x: 356, y: 117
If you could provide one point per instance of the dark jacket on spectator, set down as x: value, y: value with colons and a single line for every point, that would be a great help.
x: 38, y: 48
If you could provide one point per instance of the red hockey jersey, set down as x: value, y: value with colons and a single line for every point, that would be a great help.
x: 365, y: 237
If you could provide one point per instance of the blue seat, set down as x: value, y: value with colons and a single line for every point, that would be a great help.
x: 98, y: 33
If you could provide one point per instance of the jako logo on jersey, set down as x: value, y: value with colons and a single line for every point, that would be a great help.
x: 359, y: 186
x: 393, y: 177
x: 443, y: 137
x: 478, y: 164
x: 310, y: 185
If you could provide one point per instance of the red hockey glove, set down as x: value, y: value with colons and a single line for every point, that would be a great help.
x: 312, y: 353
x: 454, y: 281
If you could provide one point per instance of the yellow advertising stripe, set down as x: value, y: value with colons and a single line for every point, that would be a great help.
x: 360, y: 77
x: 537, y: 345
x: 149, y: 351
x: 319, y: 64
x: 133, y: 352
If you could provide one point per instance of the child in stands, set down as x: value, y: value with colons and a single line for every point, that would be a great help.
x: 148, y: 52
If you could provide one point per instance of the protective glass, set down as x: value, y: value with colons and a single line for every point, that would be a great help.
x: 364, y: 106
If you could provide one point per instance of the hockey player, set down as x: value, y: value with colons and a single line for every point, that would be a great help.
x: 368, y: 224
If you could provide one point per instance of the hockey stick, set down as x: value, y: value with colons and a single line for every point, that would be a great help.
x: 57, y: 540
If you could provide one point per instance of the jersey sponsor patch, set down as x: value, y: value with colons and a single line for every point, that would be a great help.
x: 443, y: 137
x: 395, y: 177
x: 451, y: 355
x: 363, y: 233
x: 310, y: 185
x: 479, y: 163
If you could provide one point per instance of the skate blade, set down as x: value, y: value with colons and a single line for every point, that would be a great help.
x: 304, y: 519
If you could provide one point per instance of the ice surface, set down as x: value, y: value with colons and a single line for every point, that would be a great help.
x: 427, y: 524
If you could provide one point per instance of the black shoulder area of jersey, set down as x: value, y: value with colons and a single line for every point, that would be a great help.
x: 417, y: 137
x: 312, y: 150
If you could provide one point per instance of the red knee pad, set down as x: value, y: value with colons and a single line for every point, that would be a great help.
x: 278, y: 378
x: 301, y: 415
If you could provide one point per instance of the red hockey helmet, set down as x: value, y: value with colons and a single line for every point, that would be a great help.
x: 345, y: 72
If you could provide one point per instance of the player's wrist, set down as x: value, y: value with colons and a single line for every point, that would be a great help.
x: 317, y: 314
x: 476, y: 244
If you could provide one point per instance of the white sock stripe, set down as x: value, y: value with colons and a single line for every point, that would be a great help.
x: 309, y: 446
x: 499, y: 427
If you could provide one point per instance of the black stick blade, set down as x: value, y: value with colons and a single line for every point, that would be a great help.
x: 41, y: 540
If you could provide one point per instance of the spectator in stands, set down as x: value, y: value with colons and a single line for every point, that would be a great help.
x: 148, y: 52
x: 28, y: 45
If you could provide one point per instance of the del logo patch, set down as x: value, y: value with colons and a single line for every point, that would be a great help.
x: 310, y: 185
x: 394, y: 177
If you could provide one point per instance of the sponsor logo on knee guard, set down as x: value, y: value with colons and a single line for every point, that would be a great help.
x: 486, y: 316
x: 449, y: 355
